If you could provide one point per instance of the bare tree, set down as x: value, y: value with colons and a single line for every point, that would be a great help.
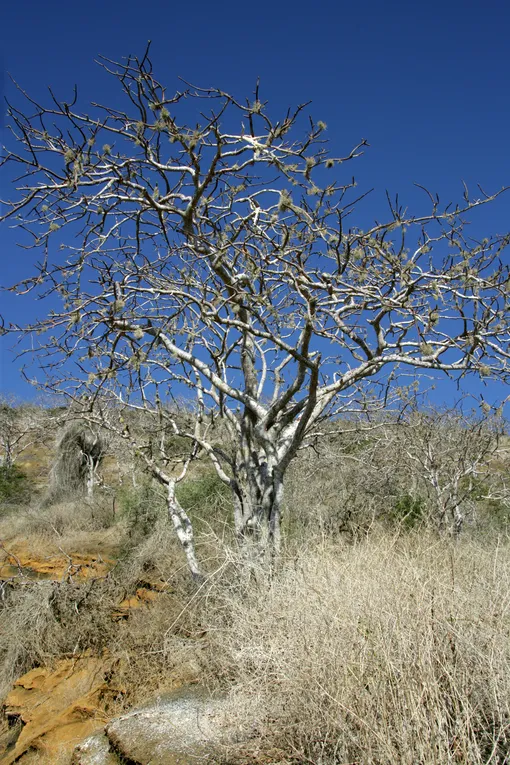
x: 21, y: 426
x: 443, y: 452
x: 213, y: 249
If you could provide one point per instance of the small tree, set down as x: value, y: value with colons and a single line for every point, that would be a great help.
x: 80, y: 450
x: 446, y: 451
x: 218, y: 253
x: 21, y: 426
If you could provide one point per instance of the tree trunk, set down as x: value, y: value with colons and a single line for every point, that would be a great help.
x: 8, y: 457
x: 90, y: 477
x: 184, y: 531
x: 458, y: 519
x: 258, y: 496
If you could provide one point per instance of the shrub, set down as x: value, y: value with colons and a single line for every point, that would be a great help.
x: 15, y: 485
x: 408, y: 511
x: 141, y: 506
x: 204, y: 497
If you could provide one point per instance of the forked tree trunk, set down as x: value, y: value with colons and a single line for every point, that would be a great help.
x: 256, y: 480
x: 258, y: 495
x: 450, y: 517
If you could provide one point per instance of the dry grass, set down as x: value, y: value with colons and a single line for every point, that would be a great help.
x: 64, y: 523
x: 396, y: 650
x: 392, y: 649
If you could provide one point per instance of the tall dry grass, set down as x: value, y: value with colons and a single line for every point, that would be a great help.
x: 394, y: 650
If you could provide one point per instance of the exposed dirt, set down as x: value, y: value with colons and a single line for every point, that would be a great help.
x: 149, y: 591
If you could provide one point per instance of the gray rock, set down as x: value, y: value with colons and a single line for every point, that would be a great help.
x: 95, y: 750
x: 175, y: 731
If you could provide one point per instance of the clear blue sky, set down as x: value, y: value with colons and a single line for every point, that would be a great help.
x: 427, y: 84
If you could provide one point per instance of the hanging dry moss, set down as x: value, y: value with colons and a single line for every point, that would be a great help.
x: 80, y: 450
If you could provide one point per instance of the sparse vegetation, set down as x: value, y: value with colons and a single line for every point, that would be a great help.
x: 376, y: 641
x: 237, y: 483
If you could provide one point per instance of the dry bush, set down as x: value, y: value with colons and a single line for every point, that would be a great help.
x: 348, y: 486
x: 79, y: 452
x: 382, y: 652
x: 356, y: 480
x: 70, y: 524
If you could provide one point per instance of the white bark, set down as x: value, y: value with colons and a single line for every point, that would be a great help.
x: 90, y: 480
x: 228, y: 286
x: 184, y: 530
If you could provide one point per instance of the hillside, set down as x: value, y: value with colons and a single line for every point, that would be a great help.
x: 379, y: 639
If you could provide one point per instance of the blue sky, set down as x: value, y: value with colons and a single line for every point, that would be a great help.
x: 427, y: 84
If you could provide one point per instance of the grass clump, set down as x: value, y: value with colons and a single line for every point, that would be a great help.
x: 387, y: 651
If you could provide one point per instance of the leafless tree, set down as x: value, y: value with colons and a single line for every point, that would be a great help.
x: 198, y: 244
x: 443, y: 452
x: 21, y: 426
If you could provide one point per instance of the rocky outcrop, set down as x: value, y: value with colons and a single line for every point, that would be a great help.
x: 59, y: 707
x: 19, y: 561
x: 177, y: 731
x: 64, y: 717
x: 95, y: 750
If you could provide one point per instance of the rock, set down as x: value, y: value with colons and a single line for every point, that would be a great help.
x: 95, y: 750
x: 175, y: 731
x: 144, y: 596
x: 58, y: 707
x: 18, y: 560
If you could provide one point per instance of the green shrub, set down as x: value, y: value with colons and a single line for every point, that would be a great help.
x: 408, y: 510
x: 141, y: 506
x: 205, y: 497
x: 15, y: 485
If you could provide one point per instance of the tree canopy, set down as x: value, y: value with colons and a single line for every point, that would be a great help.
x: 221, y: 256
